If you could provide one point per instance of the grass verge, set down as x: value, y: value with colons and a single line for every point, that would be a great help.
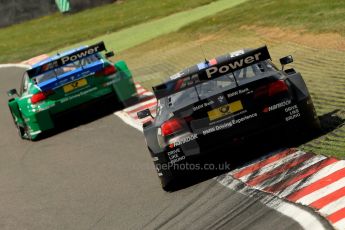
x: 138, y: 34
x: 317, y: 16
x: 45, y: 34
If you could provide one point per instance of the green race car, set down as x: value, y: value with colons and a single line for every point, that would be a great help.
x: 62, y: 83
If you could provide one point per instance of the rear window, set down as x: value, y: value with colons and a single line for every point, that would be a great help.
x: 65, y: 69
x: 253, y: 72
x: 218, y: 85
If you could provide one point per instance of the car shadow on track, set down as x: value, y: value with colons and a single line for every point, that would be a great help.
x: 82, y: 115
x: 330, y: 121
x: 252, y: 150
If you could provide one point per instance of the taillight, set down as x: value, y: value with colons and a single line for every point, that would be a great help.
x: 108, y: 70
x: 277, y: 87
x: 171, y: 126
x: 271, y: 89
x: 40, y: 96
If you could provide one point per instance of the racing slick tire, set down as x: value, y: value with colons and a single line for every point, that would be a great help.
x: 22, y: 131
x: 171, y: 186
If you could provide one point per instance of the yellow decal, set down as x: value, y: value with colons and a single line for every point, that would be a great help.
x: 75, y: 85
x: 225, y: 110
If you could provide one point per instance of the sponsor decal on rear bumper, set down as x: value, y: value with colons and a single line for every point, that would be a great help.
x: 186, y: 140
x: 293, y: 113
x: 175, y: 156
x: 229, y: 124
x: 78, y: 95
x: 279, y: 105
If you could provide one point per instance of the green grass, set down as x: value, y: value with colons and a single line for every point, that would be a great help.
x: 318, y: 16
x: 42, y: 35
x: 138, y: 34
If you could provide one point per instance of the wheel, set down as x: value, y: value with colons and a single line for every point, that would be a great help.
x: 22, y: 131
x: 26, y: 134
x: 168, y: 188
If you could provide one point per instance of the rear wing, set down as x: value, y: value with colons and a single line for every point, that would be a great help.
x: 228, y: 65
x: 64, y: 60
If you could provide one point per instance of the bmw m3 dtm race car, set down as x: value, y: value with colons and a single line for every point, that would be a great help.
x: 218, y: 102
x: 58, y: 84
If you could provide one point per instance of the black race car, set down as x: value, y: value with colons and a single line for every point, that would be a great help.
x: 221, y: 101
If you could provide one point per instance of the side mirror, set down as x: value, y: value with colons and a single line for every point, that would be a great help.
x: 144, y: 113
x: 110, y: 54
x: 286, y: 60
x: 12, y: 92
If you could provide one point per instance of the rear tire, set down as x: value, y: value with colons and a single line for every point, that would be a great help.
x: 26, y: 134
x: 169, y: 187
x: 22, y: 131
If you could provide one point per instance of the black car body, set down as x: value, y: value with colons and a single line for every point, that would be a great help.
x: 218, y: 102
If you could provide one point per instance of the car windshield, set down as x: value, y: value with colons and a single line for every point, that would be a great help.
x: 65, y: 69
x: 218, y: 85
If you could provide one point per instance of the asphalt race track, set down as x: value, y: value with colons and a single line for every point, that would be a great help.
x: 99, y: 176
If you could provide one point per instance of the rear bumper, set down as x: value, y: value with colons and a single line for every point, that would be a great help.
x: 280, y: 123
x: 46, y: 119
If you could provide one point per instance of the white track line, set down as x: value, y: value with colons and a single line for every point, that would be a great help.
x: 134, y: 107
x: 128, y: 120
x: 148, y: 94
x: 24, y: 66
x: 141, y: 91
